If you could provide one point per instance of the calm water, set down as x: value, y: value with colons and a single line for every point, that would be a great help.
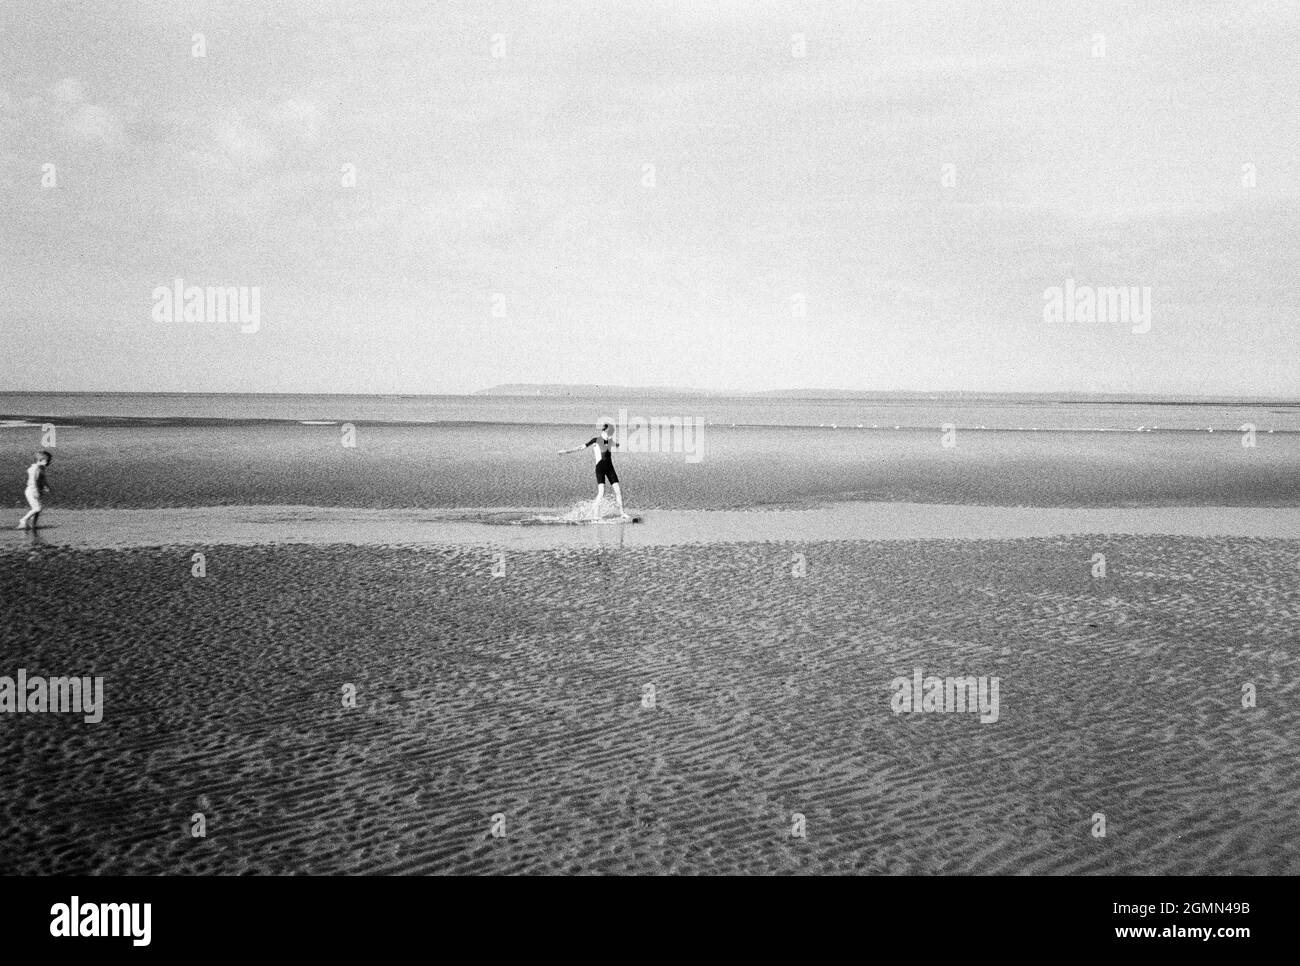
x: 1023, y: 412
x: 489, y: 451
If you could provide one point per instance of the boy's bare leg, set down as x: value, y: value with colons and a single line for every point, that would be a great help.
x: 34, y: 502
x: 618, y: 495
x: 600, y: 495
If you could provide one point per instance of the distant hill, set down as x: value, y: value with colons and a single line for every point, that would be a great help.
x: 553, y: 389
x: 560, y: 390
x: 579, y: 389
x: 592, y: 389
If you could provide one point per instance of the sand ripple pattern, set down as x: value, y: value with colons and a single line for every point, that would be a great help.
x: 522, y: 695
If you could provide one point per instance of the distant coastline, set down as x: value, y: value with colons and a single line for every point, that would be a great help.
x: 581, y: 390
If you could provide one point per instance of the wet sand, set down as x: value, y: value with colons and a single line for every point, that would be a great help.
x: 541, y: 527
x: 522, y: 696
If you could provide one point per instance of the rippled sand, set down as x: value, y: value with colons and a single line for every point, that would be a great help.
x: 522, y: 695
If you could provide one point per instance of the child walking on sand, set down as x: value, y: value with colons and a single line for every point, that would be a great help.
x: 36, y: 485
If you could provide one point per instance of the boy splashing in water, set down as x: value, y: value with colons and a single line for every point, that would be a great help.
x: 603, y: 447
x: 36, y: 485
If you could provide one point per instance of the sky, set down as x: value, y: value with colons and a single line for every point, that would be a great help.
x: 436, y: 197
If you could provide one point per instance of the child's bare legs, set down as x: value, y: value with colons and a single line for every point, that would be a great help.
x: 618, y: 495
x: 34, y: 514
x: 600, y: 495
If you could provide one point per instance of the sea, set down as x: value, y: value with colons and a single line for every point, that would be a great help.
x: 884, y: 411
x: 153, y: 450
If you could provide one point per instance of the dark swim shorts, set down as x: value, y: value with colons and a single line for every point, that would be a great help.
x: 605, y: 471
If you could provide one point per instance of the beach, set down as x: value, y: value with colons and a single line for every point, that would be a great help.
x: 523, y: 697
x: 408, y: 656
x: 650, y: 438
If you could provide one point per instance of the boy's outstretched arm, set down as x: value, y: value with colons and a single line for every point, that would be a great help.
x: 576, y: 449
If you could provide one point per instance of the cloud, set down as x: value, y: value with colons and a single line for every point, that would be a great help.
x: 475, y: 213
x: 259, y: 132
x: 296, y: 119
x: 69, y: 90
x: 63, y: 110
x: 90, y: 122
x: 242, y: 141
x: 776, y: 174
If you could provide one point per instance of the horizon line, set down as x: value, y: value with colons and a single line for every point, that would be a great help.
x: 590, y: 389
